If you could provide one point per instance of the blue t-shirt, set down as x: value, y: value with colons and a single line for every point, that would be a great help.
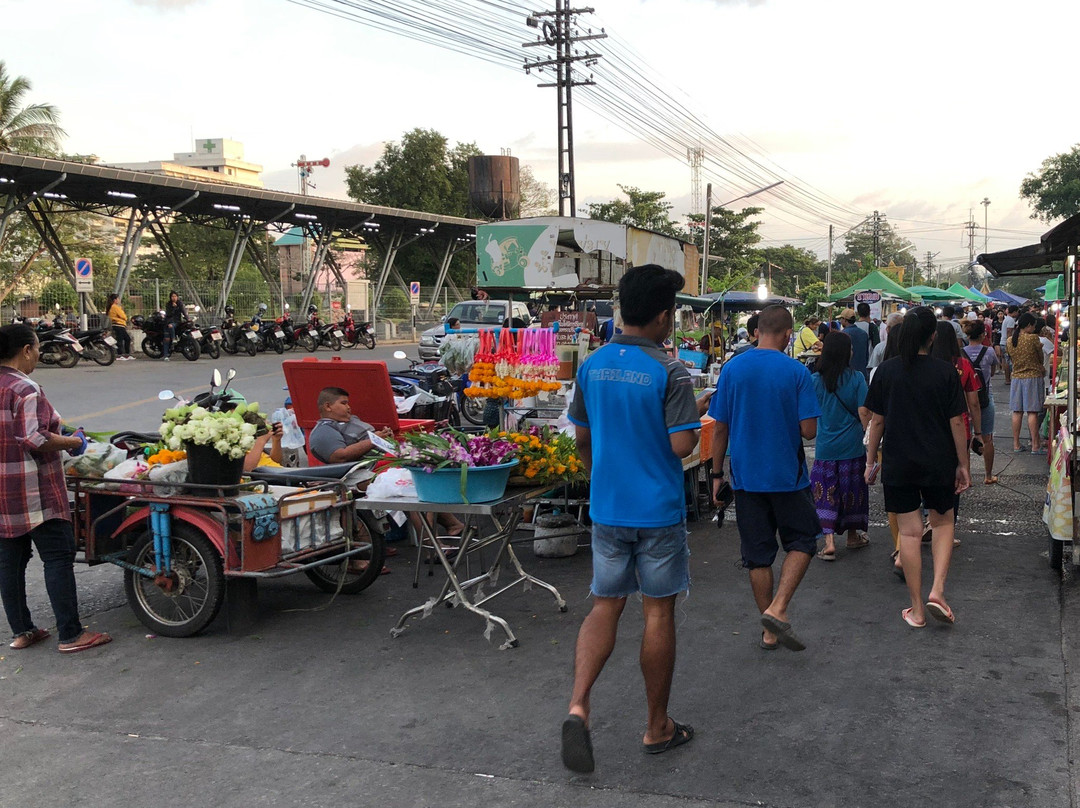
x: 860, y: 348
x: 840, y: 432
x: 632, y: 396
x: 762, y: 395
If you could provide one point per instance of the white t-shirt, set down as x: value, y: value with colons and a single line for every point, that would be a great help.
x: 1007, y: 324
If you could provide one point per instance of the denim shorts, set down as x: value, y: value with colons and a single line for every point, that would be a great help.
x: 654, y: 561
x: 986, y: 421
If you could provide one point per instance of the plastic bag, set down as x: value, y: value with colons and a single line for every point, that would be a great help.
x: 96, y: 460
x: 394, y: 482
x: 292, y: 436
x: 168, y: 472
x: 128, y: 470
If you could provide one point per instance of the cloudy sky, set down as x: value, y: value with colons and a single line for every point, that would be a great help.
x: 918, y: 109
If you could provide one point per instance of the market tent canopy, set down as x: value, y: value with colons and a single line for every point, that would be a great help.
x: 931, y: 293
x: 748, y: 301
x: 1035, y: 259
x: 874, y: 282
x: 982, y: 297
x: 1054, y: 289
x: 698, y: 304
x: 961, y: 292
x: 1001, y: 296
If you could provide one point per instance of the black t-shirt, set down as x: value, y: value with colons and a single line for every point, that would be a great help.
x: 917, y: 402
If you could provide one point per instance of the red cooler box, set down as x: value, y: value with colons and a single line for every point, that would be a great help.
x: 367, y: 383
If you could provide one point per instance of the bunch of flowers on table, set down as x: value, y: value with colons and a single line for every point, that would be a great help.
x: 514, y: 368
x: 546, y: 455
x: 427, y: 451
x: 231, y: 433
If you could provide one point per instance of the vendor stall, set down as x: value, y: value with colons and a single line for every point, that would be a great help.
x: 1060, y: 244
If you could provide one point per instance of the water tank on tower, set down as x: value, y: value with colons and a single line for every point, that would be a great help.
x: 494, y: 187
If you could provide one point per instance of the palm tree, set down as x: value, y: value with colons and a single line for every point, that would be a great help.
x: 33, y: 129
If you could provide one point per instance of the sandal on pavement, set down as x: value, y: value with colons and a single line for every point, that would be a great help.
x: 88, y: 640
x: 940, y: 611
x: 683, y: 734
x: 826, y: 556
x: 861, y: 540
x: 28, y: 638
x: 767, y: 646
x: 990, y: 480
x: 577, y: 752
x: 906, y: 614
x: 784, y: 635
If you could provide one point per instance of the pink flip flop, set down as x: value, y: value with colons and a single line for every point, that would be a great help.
x: 906, y: 614
x: 940, y: 611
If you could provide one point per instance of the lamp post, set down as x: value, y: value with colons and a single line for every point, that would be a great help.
x: 986, y: 207
x: 708, y: 220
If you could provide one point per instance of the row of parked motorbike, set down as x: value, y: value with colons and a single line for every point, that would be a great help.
x: 63, y: 346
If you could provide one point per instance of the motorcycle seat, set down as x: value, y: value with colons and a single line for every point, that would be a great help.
x: 291, y: 476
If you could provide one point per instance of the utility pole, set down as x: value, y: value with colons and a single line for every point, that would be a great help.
x: 877, y: 239
x: 986, y: 233
x: 930, y: 268
x: 560, y: 32
x: 971, y: 246
x: 828, y: 271
x: 705, y: 252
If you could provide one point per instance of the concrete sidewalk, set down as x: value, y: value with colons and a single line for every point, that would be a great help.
x: 318, y: 706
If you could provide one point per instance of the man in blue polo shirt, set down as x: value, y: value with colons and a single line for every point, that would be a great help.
x: 765, y: 406
x: 635, y: 419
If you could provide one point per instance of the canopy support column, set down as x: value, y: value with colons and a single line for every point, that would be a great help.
x: 161, y: 236
x: 244, y: 229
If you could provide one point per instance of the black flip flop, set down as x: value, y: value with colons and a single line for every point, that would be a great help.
x: 767, y: 646
x: 577, y: 745
x: 683, y: 733
x: 784, y: 635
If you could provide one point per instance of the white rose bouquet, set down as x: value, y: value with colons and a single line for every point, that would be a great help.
x: 231, y: 433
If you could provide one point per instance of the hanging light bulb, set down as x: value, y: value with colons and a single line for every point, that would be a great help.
x: 762, y: 289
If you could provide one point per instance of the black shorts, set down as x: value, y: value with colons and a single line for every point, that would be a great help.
x: 908, y: 498
x: 763, y: 516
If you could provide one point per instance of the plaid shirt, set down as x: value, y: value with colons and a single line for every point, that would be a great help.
x: 33, y: 483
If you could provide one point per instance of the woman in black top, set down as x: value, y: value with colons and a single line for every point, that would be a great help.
x: 174, y: 315
x: 918, y: 405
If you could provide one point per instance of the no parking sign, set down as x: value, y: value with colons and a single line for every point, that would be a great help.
x: 84, y: 275
x: 414, y: 293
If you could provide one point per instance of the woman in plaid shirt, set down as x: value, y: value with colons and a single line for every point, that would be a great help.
x: 34, y: 508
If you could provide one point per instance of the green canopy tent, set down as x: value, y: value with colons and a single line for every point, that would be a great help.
x: 875, y: 282
x: 961, y: 292
x: 931, y: 294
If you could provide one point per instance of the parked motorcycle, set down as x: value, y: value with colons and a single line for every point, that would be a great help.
x: 288, y: 329
x: 209, y: 337
x: 434, y: 378
x: 56, y: 346
x: 98, y: 345
x: 238, y: 336
x: 270, y: 335
x: 153, y: 343
x: 357, y: 333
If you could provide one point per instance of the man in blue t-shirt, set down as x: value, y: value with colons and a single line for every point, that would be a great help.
x: 765, y: 406
x: 635, y: 419
x: 860, y: 342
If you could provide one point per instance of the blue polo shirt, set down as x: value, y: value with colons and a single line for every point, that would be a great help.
x: 762, y: 395
x: 632, y: 397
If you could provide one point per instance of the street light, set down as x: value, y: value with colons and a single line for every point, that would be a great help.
x: 986, y: 207
x: 708, y: 220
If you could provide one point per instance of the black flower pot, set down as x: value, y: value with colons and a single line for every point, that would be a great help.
x: 206, y: 466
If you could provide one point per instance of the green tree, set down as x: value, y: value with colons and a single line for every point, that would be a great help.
x: 204, y: 252
x: 734, y: 261
x: 1054, y: 190
x: 793, y: 269
x: 810, y: 295
x: 422, y: 172
x: 858, y: 256
x: 644, y: 209
x: 33, y: 129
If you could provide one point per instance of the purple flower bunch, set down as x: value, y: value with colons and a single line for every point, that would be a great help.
x: 452, y: 448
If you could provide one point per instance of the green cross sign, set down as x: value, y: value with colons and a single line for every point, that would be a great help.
x: 209, y: 146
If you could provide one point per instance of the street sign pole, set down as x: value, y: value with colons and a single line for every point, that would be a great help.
x: 84, y: 284
x: 414, y: 301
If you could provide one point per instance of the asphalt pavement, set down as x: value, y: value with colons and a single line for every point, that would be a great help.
x: 318, y: 706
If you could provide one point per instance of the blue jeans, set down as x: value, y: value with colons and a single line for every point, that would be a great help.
x: 56, y: 545
x: 167, y: 339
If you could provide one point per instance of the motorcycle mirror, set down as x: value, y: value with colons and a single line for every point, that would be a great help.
x: 165, y: 395
x: 198, y: 309
x: 230, y: 376
x: 400, y: 355
x: 215, y: 380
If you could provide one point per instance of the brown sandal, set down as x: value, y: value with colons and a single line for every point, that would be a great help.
x: 28, y: 638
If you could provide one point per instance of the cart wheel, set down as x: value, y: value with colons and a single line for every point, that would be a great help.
x: 1056, y: 554
x: 328, y: 577
x: 189, y: 600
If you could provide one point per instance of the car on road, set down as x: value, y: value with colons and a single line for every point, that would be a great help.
x: 473, y: 314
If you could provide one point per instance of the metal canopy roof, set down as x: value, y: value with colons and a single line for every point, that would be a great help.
x: 1035, y: 259
x: 101, y: 187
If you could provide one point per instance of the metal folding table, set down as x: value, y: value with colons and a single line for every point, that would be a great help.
x: 504, y: 515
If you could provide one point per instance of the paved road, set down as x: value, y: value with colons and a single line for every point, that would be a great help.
x: 318, y: 706
x: 124, y: 395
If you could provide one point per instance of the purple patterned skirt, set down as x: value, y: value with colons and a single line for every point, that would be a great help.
x: 840, y: 494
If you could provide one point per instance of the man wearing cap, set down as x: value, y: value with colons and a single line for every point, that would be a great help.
x: 860, y: 341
